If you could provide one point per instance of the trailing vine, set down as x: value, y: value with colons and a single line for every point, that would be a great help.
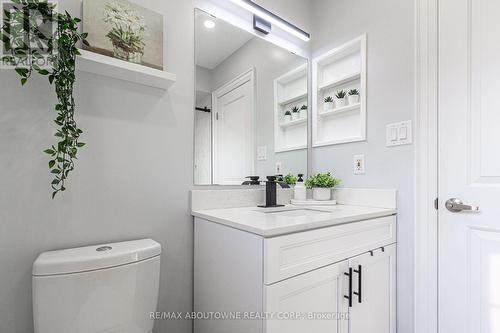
x: 39, y: 39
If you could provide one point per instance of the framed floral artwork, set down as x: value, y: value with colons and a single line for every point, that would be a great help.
x: 124, y: 30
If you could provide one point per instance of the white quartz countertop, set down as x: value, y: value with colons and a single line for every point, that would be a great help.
x: 269, y: 222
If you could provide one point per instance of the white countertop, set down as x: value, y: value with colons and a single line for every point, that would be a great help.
x: 269, y: 222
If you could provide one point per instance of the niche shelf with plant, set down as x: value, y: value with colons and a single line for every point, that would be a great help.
x: 119, y: 69
x: 339, y: 94
x: 341, y: 110
x: 290, y: 110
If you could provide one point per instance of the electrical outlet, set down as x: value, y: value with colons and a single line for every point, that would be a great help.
x: 278, y: 168
x: 359, y: 164
x: 262, y: 153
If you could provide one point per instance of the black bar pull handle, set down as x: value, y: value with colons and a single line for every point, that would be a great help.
x: 360, y: 282
x: 350, y: 287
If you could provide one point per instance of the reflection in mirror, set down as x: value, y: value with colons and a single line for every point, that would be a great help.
x: 251, y: 106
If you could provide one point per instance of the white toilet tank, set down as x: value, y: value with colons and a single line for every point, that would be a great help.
x: 109, y: 288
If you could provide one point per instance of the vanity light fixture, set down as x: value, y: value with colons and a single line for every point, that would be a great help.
x: 271, y: 18
x: 209, y: 24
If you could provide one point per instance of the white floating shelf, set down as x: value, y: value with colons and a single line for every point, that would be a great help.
x: 95, y: 63
x: 293, y: 99
x: 341, y: 81
x: 294, y: 122
x: 339, y: 111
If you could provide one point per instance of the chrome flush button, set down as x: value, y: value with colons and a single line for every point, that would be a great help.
x: 104, y: 248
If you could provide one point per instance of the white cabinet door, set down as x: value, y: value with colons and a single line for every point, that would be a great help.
x: 308, y: 296
x: 373, y: 292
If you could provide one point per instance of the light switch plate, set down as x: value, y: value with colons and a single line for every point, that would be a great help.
x: 398, y: 134
x: 278, y: 168
x: 359, y: 164
x: 262, y: 153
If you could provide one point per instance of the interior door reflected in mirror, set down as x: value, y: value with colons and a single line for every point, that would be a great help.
x: 251, y: 112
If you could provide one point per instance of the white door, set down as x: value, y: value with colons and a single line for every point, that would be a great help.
x: 234, y: 132
x: 469, y: 165
x: 311, y: 294
x: 373, y: 292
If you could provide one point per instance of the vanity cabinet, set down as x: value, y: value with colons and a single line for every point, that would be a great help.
x: 355, y: 296
x: 339, y: 278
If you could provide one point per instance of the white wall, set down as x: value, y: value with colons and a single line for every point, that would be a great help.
x: 389, y: 25
x: 132, y: 178
x: 203, y: 79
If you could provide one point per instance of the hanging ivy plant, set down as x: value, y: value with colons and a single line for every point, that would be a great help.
x: 37, y: 39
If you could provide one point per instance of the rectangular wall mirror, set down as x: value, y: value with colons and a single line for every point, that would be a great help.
x: 251, y: 112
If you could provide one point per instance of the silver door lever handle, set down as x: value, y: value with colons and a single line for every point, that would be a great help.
x: 456, y: 205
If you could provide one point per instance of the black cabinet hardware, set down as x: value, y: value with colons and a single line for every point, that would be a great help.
x: 350, y: 287
x: 360, y: 282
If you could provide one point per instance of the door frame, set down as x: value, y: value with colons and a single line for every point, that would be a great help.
x: 426, y: 166
x: 248, y: 75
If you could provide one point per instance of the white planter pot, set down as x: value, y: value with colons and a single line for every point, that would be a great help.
x: 295, y: 116
x: 328, y: 106
x: 322, y: 194
x: 287, y: 118
x: 353, y: 99
x: 303, y: 114
x: 339, y: 102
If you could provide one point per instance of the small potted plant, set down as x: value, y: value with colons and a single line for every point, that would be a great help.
x: 321, y: 185
x: 303, y: 112
x: 328, y: 103
x: 340, y: 98
x: 295, y: 113
x: 288, y: 116
x: 290, y: 179
x: 353, y: 97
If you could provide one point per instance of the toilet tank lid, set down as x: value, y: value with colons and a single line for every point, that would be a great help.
x: 94, y: 257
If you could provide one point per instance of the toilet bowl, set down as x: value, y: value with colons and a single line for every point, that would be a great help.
x: 110, y: 288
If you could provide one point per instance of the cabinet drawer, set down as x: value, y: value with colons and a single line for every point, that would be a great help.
x: 293, y: 254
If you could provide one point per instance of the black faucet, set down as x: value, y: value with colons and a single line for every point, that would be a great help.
x: 271, y: 189
x: 254, y: 180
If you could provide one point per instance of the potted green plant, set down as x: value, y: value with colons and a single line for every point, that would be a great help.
x: 288, y: 116
x: 303, y: 112
x: 290, y: 179
x: 295, y: 113
x: 321, y: 185
x: 328, y: 103
x: 353, y: 97
x: 340, y: 98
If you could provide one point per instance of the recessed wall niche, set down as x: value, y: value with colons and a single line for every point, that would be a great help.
x: 290, y: 93
x: 339, y: 118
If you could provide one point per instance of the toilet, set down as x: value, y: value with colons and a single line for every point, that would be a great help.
x: 109, y: 288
